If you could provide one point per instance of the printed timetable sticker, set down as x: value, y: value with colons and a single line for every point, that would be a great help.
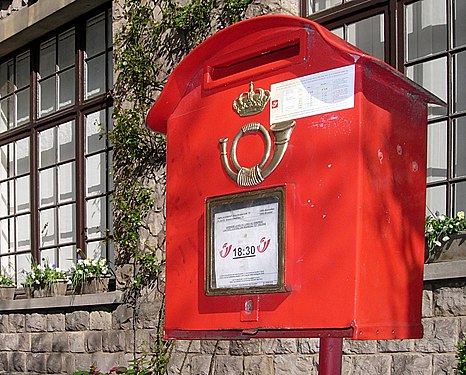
x: 246, y: 247
x: 318, y: 93
x: 245, y: 242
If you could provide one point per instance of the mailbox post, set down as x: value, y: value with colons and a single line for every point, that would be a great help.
x: 296, y: 169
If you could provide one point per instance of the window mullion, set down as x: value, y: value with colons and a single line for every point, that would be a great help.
x: 80, y: 169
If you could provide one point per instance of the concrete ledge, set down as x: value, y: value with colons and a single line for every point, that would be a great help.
x: 445, y: 270
x: 31, y: 22
x: 82, y: 300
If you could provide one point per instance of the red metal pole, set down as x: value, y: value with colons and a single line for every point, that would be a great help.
x: 330, y: 355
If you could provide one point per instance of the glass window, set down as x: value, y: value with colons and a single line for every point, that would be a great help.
x: 426, y: 28
x: 368, y: 35
x: 72, y: 191
x: 14, y: 91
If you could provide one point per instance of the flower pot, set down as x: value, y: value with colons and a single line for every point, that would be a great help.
x: 93, y: 285
x: 452, y: 250
x: 55, y: 289
x: 7, y: 292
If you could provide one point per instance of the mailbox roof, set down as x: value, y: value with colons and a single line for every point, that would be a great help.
x: 226, y: 40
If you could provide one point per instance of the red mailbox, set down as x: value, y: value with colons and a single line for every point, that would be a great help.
x: 295, y: 188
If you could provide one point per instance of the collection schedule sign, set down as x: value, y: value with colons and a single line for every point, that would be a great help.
x: 245, y: 249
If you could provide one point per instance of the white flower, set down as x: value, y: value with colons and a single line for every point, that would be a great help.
x: 87, y: 262
x: 441, y: 217
x: 445, y: 239
x: 94, y: 262
x: 460, y: 215
x: 438, y: 243
x: 430, y: 229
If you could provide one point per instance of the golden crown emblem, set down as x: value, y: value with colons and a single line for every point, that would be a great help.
x: 252, y: 102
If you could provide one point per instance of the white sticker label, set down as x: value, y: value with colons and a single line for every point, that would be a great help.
x: 318, y: 93
x: 246, y: 247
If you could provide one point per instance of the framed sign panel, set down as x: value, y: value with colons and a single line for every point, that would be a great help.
x: 245, y: 242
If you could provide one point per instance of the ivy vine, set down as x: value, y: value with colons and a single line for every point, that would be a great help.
x: 154, y: 37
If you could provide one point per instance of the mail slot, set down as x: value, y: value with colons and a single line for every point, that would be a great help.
x: 296, y: 170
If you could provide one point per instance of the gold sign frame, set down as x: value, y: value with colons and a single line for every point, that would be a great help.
x: 235, y: 203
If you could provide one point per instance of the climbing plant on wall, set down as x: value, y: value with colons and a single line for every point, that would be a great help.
x: 155, y: 35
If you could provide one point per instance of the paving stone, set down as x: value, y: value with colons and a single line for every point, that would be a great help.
x: 100, y: 320
x: 245, y: 347
x: 77, y: 321
x: 411, y: 364
x: 41, y: 342
x: 439, y: 336
x: 279, y: 346
x: 367, y: 364
x: 36, y: 323
x: 228, y: 365
x: 258, y: 364
x: 55, y: 322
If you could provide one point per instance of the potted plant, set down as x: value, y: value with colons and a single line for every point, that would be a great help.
x: 441, y: 231
x: 7, y: 286
x: 44, y: 280
x: 90, y: 275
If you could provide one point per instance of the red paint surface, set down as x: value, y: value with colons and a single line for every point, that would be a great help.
x: 355, y: 188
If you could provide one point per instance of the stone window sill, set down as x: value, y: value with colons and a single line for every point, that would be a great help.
x: 63, y: 302
x: 445, y: 270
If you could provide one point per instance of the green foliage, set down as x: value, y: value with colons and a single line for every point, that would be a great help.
x: 86, y: 268
x: 154, y: 38
x: 43, y: 275
x: 6, y: 279
x: 439, y: 228
x: 461, y: 356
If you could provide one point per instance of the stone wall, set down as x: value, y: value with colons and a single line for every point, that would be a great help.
x: 62, y: 340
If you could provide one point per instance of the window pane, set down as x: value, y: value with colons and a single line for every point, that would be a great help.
x: 95, y: 129
x: 47, y: 149
x: 459, y: 144
x: 11, y: 197
x: 66, y: 49
x: 6, y: 78
x: 66, y: 257
x: 66, y: 88
x: 95, y: 175
x: 95, y: 77
x: 48, y: 256
x: 67, y: 223
x: 96, y: 250
x: 47, y: 227
x: 4, y: 199
x: 95, y: 35
x: 22, y: 70
x: 318, y: 5
x: 23, y: 232
x: 66, y: 141
x: 47, y: 187
x: 47, y: 96
x: 459, y: 23
x: 432, y: 75
x: 7, y: 108
x: 368, y: 35
x: 460, y: 79
x: 5, y: 236
x: 22, y: 115
x: 22, y: 156
x: 22, y: 264
x: 339, y: 32
x: 436, y: 200
x: 95, y: 215
x: 426, y: 28
x: 459, y: 195
x: 22, y: 194
x: 66, y: 178
x: 47, y: 58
